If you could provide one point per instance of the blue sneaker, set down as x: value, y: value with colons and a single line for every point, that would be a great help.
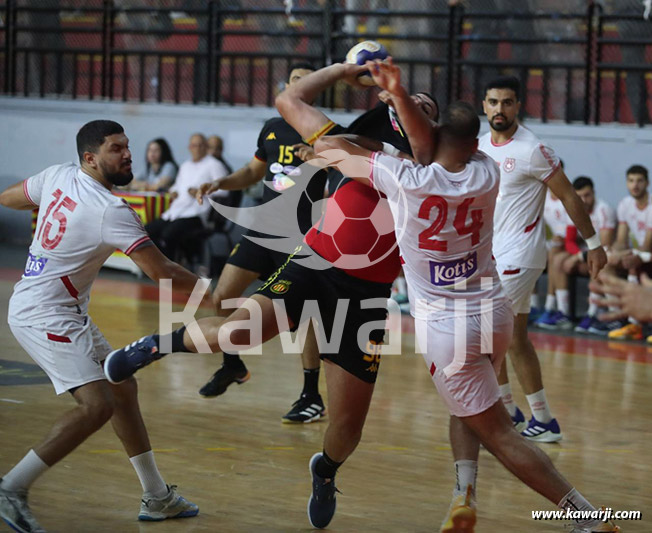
x: 598, y: 327
x: 321, y: 506
x: 121, y: 364
x: 540, y: 432
x: 534, y: 315
x: 546, y: 320
x: 584, y: 325
x: 519, y: 421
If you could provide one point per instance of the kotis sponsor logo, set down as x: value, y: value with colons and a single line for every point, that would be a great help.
x: 35, y: 265
x: 451, y: 272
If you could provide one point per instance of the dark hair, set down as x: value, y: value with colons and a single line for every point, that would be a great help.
x: 304, y: 65
x: 505, y: 82
x: 583, y: 181
x: 638, y: 169
x: 434, y: 100
x: 166, y: 153
x: 92, y: 134
x: 460, y: 120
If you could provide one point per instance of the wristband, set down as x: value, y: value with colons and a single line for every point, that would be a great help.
x: 390, y: 150
x: 593, y: 242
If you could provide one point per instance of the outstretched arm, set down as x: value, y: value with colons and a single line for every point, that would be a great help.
x: 14, y: 197
x: 295, y: 102
x: 417, y: 125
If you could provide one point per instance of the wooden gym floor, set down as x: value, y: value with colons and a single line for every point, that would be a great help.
x: 248, y: 472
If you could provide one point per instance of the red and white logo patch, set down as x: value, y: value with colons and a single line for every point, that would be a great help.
x: 509, y: 164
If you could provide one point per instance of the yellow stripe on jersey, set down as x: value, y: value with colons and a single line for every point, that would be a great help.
x: 320, y: 132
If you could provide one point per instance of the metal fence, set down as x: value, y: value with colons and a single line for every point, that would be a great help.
x: 577, y: 60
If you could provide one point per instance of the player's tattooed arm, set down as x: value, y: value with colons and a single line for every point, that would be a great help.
x: 418, y: 127
x: 14, y: 197
x: 295, y: 103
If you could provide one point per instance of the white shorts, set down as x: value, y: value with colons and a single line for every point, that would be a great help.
x: 69, y: 351
x: 518, y: 284
x: 463, y: 367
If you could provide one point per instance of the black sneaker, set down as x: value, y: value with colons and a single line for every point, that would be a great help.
x: 305, y: 410
x: 223, y: 378
x: 321, y: 506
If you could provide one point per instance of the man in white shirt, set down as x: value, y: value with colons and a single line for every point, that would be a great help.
x: 527, y: 167
x: 634, y: 212
x: 443, y: 211
x: 80, y: 224
x: 572, y: 259
x: 185, y: 215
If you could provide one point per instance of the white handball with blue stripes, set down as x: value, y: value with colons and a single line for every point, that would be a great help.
x: 363, y: 52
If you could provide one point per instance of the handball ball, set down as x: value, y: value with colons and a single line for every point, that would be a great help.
x: 363, y: 52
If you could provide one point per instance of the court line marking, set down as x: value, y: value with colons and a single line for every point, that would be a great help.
x: 9, y: 400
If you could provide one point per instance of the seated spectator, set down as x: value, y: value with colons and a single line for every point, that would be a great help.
x: 572, y: 259
x: 185, y: 215
x: 216, y: 148
x: 633, y: 219
x: 161, y: 168
x: 555, y: 218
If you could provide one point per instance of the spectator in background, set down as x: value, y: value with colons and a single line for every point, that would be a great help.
x: 185, y: 215
x: 633, y: 216
x: 572, y: 260
x: 161, y: 168
x: 215, y: 148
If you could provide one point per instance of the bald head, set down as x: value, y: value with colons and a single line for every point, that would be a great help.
x: 460, y: 122
x: 198, y: 147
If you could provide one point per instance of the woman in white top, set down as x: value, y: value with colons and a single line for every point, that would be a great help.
x: 161, y: 168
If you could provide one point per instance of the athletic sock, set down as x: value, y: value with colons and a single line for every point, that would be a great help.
x: 326, y: 468
x: 551, y: 302
x: 310, y: 382
x: 21, y: 476
x: 174, y: 340
x: 232, y: 359
x: 508, y: 399
x: 574, y: 501
x: 539, y: 406
x: 148, y: 474
x: 593, y: 308
x: 563, y: 301
x: 534, y: 300
x: 466, y: 473
x: 632, y: 278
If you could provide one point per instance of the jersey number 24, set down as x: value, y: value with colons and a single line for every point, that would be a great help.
x: 426, y: 242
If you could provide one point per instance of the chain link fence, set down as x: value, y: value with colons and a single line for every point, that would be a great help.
x: 578, y: 60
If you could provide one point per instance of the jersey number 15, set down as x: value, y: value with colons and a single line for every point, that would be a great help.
x: 58, y: 215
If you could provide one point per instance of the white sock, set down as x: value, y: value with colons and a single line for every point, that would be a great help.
x: 150, y: 478
x: 539, y: 406
x: 593, y: 308
x: 632, y: 278
x: 508, y: 399
x: 576, y: 502
x: 466, y: 473
x: 563, y: 301
x: 551, y: 302
x: 21, y: 476
x: 534, y: 300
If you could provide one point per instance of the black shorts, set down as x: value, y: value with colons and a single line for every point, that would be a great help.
x: 251, y: 256
x: 332, y: 289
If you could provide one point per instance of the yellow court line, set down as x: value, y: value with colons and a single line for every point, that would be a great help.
x: 278, y: 448
x: 393, y: 448
x: 220, y: 449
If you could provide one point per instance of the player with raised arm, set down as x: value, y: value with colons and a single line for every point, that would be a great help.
x: 463, y: 318
x: 350, y: 365
x: 80, y: 224
x: 527, y: 167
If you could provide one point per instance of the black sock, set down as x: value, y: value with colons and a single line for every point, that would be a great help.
x: 310, y: 382
x: 174, y: 339
x: 326, y: 467
x: 232, y: 359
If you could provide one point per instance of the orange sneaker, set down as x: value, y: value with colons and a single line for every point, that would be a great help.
x: 630, y: 331
x: 461, y: 515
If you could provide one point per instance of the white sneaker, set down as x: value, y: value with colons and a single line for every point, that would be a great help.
x: 461, y: 515
x: 15, y: 511
x: 170, y: 506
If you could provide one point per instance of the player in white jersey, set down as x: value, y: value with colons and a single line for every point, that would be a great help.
x: 443, y: 214
x: 80, y: 224
x: 633, y: 212
x: 527, y: 167
x: 555, y: 218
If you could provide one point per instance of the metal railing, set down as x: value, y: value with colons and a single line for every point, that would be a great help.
x: 580, y: 66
